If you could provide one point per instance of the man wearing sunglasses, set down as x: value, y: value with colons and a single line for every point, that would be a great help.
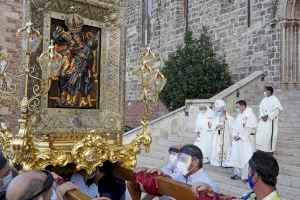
x: 37, y: 185
x: 262, y: 177
x: 40, y: 185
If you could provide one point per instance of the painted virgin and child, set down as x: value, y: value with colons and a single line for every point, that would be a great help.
x: 79, y: 68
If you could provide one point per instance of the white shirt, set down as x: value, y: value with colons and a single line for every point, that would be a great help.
x: 198, y: 177
x: 91, y: 190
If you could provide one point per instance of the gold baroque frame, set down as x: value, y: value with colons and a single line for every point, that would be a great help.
x: 111, y: 105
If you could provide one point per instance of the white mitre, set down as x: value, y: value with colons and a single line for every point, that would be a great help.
x: 220, y: 105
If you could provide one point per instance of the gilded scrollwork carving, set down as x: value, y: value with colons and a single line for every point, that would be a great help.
x: 61, y: 135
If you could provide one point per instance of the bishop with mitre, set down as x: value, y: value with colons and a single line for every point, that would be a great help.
x: 222, y: 135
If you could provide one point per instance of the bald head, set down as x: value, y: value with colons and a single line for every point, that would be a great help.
x: 27, y: 185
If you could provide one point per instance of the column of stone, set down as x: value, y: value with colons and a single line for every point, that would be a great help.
x: 290, y: 55
x: 285, y: 54
x: 294, y: 50
x: 297, y: 54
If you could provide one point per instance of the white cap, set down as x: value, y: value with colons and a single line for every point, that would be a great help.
x: 220, y: 105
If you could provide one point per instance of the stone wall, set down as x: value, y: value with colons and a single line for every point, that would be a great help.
x: 246, y: 49
x: 134, y: 111
x: 11, y: 21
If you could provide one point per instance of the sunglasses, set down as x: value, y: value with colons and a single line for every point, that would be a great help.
x: 46, y: 185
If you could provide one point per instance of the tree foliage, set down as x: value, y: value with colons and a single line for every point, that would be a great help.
x: 194, y: 71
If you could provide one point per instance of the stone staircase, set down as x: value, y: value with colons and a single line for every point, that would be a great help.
x: 287, y: 153
x: 177, y: 127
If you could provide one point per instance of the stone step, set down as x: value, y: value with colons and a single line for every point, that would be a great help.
x: 289, y: 124
x: 290, y: 94
x: 169, y: 143
x: 293, y: 161
x: 289, y: 170
x: 288, y: 131
x: 183, y: 139
x: 287, y: 104
x: 290, y: 144
x: 288, y: 152
x: 291, y: 109
x: 289, y: 138
x: 159, y: 148
x: 237, y: 189
x: 155, y: 154
x: 147, y: 161
x: 288, y: 115
x: 285, y: 99
x: 289, y: 181
x: 289, y: 119
x: 286, y: 137
x: 288, y: 192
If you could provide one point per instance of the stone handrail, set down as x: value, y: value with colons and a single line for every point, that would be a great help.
x: 249, y: 89
x: 130, y: 135
x: 242, y: 83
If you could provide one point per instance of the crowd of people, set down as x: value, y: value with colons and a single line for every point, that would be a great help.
x: 185, y: 165
x: 46, y: 185
x: 229, y: 142
x: 222, y: 141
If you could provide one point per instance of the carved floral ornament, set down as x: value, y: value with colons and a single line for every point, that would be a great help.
x: 107, y: 11
x: 36, y: 148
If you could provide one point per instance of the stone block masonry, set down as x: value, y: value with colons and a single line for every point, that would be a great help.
x: 11, y: 21
x: 134, y: 111
x: 246, y: 49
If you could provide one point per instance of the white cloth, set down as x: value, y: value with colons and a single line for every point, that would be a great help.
x: 198, y: 124
x: 221, y: 140
x: 267, y: 131
x: 91, y: 190
x: 243, y: 173
x: 204, y: 127
x: 54, y: 195
x: 242, y: 149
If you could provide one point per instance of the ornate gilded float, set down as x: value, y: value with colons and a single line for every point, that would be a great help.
x: 72, y: 99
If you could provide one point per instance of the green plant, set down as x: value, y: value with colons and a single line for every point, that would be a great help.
x: 194, y: 71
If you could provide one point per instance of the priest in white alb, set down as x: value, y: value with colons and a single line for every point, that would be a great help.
x: 204, y: 131
x: 267, y: 131
x: 243, y: 128
x: 221, y: 144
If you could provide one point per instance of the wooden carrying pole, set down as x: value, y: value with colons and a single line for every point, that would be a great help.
x: 166, y: 186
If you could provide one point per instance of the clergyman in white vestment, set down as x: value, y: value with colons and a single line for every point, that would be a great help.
x: 267, y: 130
x: 221, y: 145
x: 203, y: 128
x: 243, y: 127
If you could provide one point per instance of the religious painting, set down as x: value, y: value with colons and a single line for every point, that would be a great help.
x: 78, y: 84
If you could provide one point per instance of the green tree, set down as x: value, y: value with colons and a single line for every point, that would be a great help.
x: 194, y: 71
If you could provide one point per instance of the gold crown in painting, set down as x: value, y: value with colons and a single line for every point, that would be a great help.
x: 74, y: 21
